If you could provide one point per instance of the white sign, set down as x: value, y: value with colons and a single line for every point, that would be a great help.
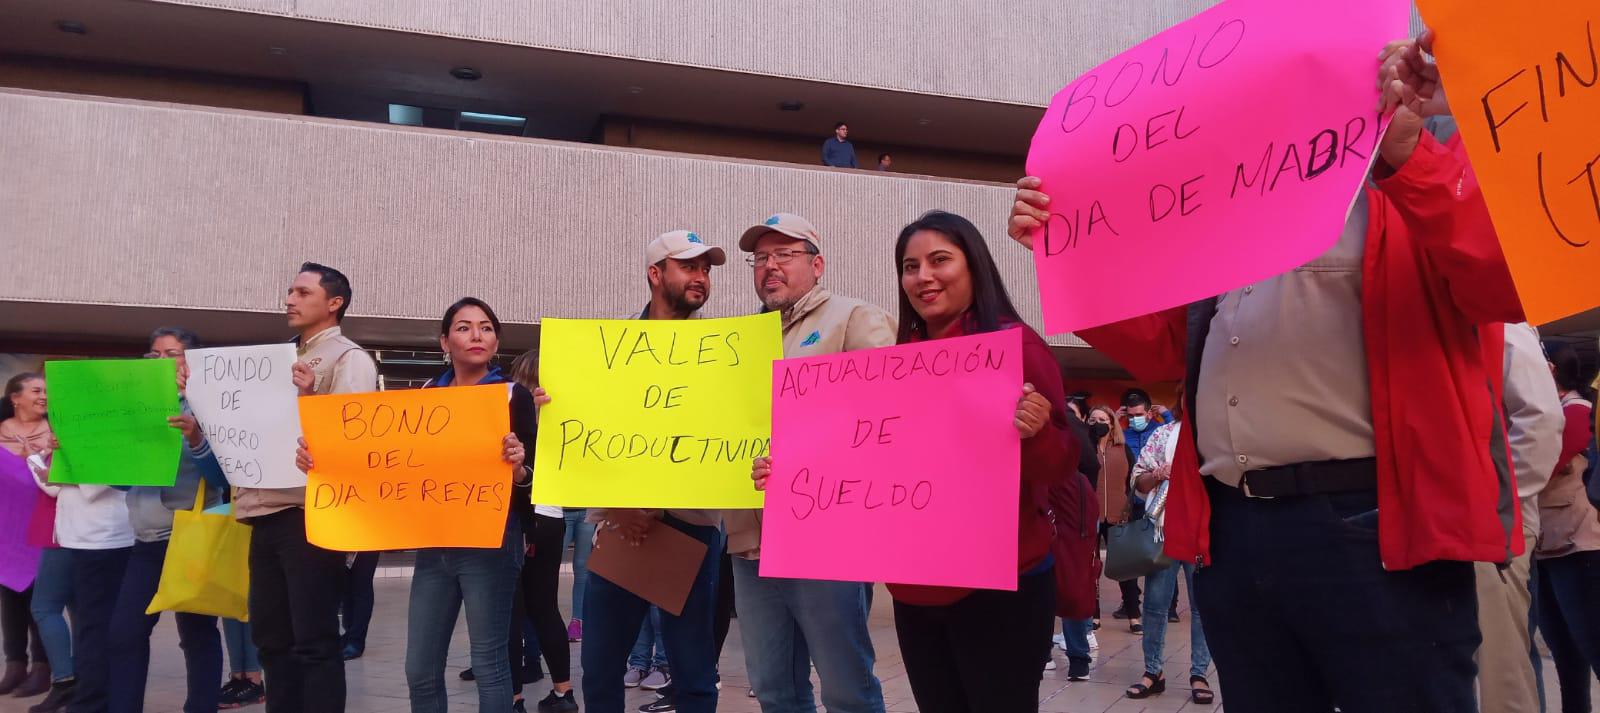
x: 250, y: 411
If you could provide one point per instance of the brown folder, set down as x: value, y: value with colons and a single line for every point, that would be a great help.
x: 660, y: 570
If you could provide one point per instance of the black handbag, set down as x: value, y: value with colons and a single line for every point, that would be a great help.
x: 1132, y: 550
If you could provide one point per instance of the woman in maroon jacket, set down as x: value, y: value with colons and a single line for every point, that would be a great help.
x: 982, y: 650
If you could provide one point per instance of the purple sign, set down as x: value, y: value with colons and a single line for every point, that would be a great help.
x: 19, y: 497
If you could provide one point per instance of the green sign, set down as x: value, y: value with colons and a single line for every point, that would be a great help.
x: 111, y: 419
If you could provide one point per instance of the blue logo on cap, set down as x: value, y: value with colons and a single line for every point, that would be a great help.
x: 694, y: 238
x: 773, y: 220
x: 812, y: 339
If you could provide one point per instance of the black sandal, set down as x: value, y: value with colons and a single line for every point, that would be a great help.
x: 1203, y: 696
x: 1138, y: 691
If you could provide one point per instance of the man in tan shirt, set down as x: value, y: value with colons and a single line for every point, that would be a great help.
x: 295, y: 586
x: 789, y: 624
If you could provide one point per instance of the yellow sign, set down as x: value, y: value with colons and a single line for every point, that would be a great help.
x: 1522, y: 84
x: 654, y: 413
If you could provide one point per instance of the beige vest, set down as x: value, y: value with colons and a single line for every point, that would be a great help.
x: 820, y: 323
x: 324, y: 353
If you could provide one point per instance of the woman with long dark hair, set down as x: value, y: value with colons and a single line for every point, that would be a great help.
x: 481, y: 580
x: 971, y: 650
x: 24, y: 432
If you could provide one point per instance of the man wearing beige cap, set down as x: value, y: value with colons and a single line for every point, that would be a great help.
x: 789, y: 624
x: 678, y: 266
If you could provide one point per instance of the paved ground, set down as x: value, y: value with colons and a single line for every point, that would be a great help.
x: 377, y: 681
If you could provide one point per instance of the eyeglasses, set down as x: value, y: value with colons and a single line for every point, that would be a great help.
x: 169, y: 354
x: 776, y: 257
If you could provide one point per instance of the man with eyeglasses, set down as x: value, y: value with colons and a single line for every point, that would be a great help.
x: 789, y: 624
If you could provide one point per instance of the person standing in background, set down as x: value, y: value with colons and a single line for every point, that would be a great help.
x: 838, y: 152
x: 24, y: 433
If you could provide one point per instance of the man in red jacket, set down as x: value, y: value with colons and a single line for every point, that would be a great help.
x: 1333, y: 505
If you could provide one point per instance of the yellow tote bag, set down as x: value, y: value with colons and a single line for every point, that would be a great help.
x: 207, y: 569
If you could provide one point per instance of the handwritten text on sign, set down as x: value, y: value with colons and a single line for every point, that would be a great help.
x: 654, y: 413
x: 1522, y: 80
x: 1220, y: 152
x: 245, y: 399
x: 407, y: 469
x: 111, y: 418
x: 914, y: 444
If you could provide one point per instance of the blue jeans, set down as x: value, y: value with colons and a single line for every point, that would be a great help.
x: 96, y: 582
x: 1075, y: 632
x: 787, y: 624
x: 649, y: 651
x: 130, y: 639
x: 242, y: 657
x: 580, y: 535
x: 445, y: 580
x: 691, y: 648
x: 355, y: 612
x: 1160, y: 589
x: 52, y: 591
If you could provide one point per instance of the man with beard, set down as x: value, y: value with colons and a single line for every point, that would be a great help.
x: 789, y: 624
x: 679, y: 271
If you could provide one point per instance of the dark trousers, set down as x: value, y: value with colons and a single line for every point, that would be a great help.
x: 613, y: 615
x: 723, y: 619
x: 356, y: 609
x: 540, y: 587
x: 17, y: 628
x: 295, y: 590
x: 1569, y: 594
x: 982, y: 654
x: 130, y: 639
x: 1301, y: 616
x: 96, y: 581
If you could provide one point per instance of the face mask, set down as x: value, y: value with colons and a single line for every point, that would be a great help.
x: 1099, y: 430
x: 1139, y: 423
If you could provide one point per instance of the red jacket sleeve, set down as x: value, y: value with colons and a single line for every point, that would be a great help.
x: 1052, y: 453
x: 1150, y: 346
x: 1436, y: 193
x: 1575, y: 437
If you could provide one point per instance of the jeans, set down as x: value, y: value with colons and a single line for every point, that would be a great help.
x: 1569, y: 588
x: 1533, y: 630
x: 541, y: 585
x: 983, y: 654
x: 446, y: 580
x: 130, y: 639
x: 1075, y: 632
x: 52, y: 591
x: 614, y: 626
x: 242, y: 656
x: 580, y: 535
x: 96, y: 581
x: 1302, y: 616
x: 295, y: 590
x: 788, y: 624
x: 1160, y: 592
x: 355, y: 612
x: 648, y: 650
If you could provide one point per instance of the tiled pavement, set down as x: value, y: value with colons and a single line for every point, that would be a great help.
x: 377, y: 680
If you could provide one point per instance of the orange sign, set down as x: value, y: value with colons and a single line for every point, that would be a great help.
x: 1522, y: 80
x: 407, y: 469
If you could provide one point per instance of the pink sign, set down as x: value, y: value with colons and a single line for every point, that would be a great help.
x: 897, y: 465
x: 19, y: 561
x: 1220, y: 152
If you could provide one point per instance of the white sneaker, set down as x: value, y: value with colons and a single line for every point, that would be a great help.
x: 1051, y: 664
x: 1094, y: 642
x: 632, y: 678
x: 656, y: 680
x: 1060, y: 640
